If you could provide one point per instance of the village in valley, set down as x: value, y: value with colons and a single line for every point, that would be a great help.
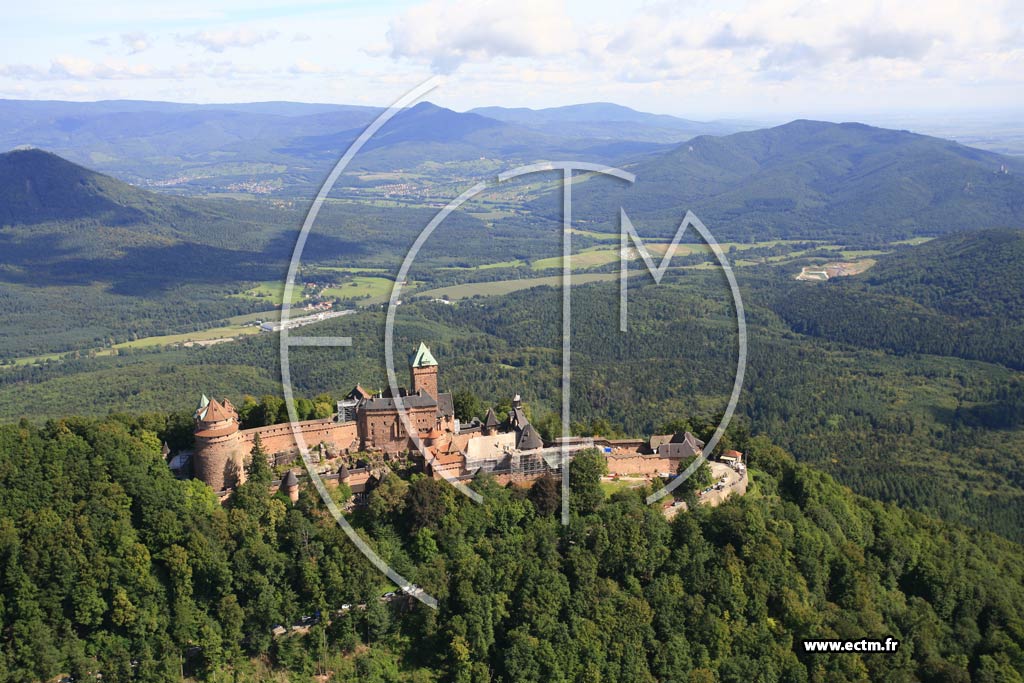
x: 370, y: 434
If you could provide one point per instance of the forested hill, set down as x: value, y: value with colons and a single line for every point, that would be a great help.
x: 813, y: 179
x: 969, y: 275
x: 959, y: 295
x: 110, y: 566
x: 38, y: 188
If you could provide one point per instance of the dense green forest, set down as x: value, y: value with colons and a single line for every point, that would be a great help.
x: 110, y: 565
x: 959, y: 295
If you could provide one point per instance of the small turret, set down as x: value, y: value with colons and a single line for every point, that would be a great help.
x: 290, y: 485
x: 490, y: 423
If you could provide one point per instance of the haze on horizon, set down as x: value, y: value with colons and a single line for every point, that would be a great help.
x: 767, y: 61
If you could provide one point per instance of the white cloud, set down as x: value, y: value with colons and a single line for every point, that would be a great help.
x: 135, y: 42
x: 218, y: 41
x: 305, y: 67
x: 449, y: 34
x: 70, y: 68
x: 736, y: 57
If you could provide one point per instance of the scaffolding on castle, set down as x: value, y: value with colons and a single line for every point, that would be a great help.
x: 541, y: 461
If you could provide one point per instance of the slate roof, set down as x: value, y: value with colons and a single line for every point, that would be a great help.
x: 687, y: 446
x: 445, y: 405
x: 529, y: 439
x: 290, y: 480
x: 517, y: 418
x: 490, y: 420
x: 660, y: 440
x: 359, y: 392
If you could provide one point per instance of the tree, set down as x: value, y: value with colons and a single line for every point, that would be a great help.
x: 467, y: 405
x: 425, y: 506
x: 388, y: 498
x: 269, y: 411
x: 546, y: 495
x: 248, y: 412
x: 378, y: 619
x: 549, y: 426
x: 585, y: 472
x: 342, y: 494
x: 258, y: 469
x: 698, y: 481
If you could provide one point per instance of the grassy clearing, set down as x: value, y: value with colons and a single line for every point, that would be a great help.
x: 492, y: 214
x: 225, y: 332
x: 611, y: 487
x: 33, y: 360
x: 914, y: 241
x: 367, y: 290
x: 499, y: 287
x: 233, y: 328
x: 273, y: 290
x: 595, y: 235
x: 861, y: 253
x: 588, y: 258
x: 351, y: 269
x: 487, y: 266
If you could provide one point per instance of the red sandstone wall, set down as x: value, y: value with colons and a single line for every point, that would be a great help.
x: 426, y: 379
x: 281, y: 438
x: 639, y: 464
x: 384, y: 429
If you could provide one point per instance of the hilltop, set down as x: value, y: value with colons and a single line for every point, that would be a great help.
x: 816, y: 180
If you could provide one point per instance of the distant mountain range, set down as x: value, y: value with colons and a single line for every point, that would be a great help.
x: 812, y: 179
x: 604, y: 120
x: 613, y: 121
x: 210, y: 146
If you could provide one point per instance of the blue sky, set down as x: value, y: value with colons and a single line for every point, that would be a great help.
x: 767, y: 59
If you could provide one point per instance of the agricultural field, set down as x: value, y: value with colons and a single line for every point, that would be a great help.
x: 500, y: 287
x: 274, y: 290
x: 364, y: 289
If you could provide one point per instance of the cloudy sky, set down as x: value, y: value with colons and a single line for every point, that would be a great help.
x: 773, y: 58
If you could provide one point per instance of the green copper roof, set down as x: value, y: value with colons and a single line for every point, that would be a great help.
x: 201, y: 408
x: 423, y: 357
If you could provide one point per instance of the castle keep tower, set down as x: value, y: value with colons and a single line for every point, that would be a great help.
x: 218, y: 459
x: 423, y: 371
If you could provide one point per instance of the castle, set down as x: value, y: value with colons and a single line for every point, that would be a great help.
x: 510, y: 449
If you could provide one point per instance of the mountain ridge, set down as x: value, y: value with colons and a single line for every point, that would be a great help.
x: 814, y: 179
